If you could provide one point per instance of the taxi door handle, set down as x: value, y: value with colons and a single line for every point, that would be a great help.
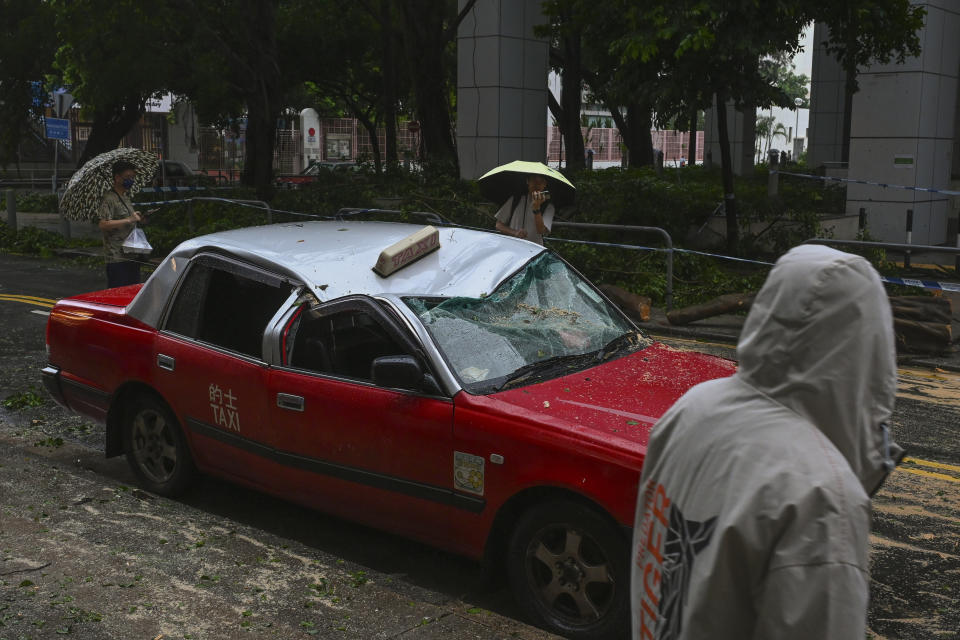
x: 166, y: 362
x: 291, y: 402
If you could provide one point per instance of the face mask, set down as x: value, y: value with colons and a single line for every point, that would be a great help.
x: 127, y: 183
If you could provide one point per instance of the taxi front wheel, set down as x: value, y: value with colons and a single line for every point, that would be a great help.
x: 155, y: 447
x: 569, y: 569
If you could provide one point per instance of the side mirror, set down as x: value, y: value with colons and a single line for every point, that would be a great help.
x: 403, y: 372
x: 397, y: 372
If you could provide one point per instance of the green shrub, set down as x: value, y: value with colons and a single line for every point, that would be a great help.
x: 30, y: 240
x: 677, y: 200
x: 34, y: 202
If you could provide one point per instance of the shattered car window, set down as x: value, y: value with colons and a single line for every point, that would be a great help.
x: 545, y: 314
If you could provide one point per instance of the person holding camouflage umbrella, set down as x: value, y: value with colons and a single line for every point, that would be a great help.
x: 117, y: 220
x: 100, y: 192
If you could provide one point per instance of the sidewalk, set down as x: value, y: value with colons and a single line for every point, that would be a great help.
x: 726, y: 329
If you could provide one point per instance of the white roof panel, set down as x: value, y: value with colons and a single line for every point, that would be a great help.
x: 336, y: 259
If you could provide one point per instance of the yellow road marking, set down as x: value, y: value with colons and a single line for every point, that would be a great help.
x: 25, y: 297
x: 40, y: 302
x: 929, y: 474
x: 936, y: 465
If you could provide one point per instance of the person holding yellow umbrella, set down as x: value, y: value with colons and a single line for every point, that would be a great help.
x: 528, y: 191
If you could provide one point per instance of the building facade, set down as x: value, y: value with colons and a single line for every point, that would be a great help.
x: 904, y: 127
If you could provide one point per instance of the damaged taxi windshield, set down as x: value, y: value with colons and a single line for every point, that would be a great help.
x: 543, y: 322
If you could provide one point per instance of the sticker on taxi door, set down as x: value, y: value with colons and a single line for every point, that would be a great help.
x: 468, y: 472
x: 225, y: 413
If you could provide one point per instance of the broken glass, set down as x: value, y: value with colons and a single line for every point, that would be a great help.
x: 546, y: 313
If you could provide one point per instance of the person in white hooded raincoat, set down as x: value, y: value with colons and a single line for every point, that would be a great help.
x: 753, y: 513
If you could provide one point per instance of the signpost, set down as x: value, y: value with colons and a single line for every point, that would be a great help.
x: 58, y: 128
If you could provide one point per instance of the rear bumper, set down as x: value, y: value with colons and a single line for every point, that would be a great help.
x: 51, y: 381
x: 74, y: 395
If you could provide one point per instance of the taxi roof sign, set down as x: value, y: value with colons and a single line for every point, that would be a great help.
x: 408, y: 250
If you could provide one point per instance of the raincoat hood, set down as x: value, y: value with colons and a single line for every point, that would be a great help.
x: 819, y: 340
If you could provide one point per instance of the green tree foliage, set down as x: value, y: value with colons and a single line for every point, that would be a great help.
x: 27, y: 46
x: 718, y: 48
x: 232, y: 46
x: 779, y: 71
x: 115, y: 54
x: 580, y: 33
x: 429, y: 29
x: 566, y: 32
x: 344, y: 72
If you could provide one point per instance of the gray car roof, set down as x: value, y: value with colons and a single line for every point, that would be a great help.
x: 335, y: 259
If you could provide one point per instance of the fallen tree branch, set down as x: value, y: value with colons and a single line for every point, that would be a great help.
x: 724, y: 304
x: 7, y: 573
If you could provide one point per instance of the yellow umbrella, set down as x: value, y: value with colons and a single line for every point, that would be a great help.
x: 508, y: 180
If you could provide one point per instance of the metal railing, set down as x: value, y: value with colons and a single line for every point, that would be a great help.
x: 259, y: 203
x: 906, y: 249
x: 433, y: 218
x: 624, y: 227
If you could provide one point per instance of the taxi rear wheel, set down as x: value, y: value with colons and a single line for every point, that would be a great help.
x: 568, y: 568
x: 155, y: 447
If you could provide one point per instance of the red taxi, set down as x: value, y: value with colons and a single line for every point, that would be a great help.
x: 459, y: 387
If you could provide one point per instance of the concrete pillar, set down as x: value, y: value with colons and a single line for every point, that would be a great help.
x: 903, y: 132
x: 825, y: 148
x: 742, y: 128
x: 501, y: 86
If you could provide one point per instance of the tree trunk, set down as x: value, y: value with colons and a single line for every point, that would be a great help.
x: 389, y: 86
x: 922, y: 308
x: 726, y: 170
x: 424, y: 29
x: 110, y: 125
x: 261, y: 139
x: 371, y: 128
x: 262, y: 96
x: 639, y: 142
x: 922, y: 337
x: 727, y: 303
x: 637, y: 307
x: 571, y: 99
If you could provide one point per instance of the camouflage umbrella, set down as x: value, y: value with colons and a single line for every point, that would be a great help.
x: 85, y: 191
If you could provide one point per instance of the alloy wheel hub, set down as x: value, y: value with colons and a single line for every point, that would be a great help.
x: 569, y: 573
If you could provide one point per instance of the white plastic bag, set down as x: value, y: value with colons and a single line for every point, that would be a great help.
x: 136, y: 242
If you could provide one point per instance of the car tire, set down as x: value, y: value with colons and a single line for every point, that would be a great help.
x: 155, y: 447
x: 569, y: 569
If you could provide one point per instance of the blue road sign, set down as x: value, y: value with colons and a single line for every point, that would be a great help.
x: 58, y: 129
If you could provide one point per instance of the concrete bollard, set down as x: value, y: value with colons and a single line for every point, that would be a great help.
x: 906, y: 257
x: 12, y: 209
x: 773, y: 181
x: 956, y: 263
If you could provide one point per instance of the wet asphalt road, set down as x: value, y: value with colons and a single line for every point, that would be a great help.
x: 66, y: 509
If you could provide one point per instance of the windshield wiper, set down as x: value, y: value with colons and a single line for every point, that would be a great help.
x: 625, y: 343
x: 544, y: 368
